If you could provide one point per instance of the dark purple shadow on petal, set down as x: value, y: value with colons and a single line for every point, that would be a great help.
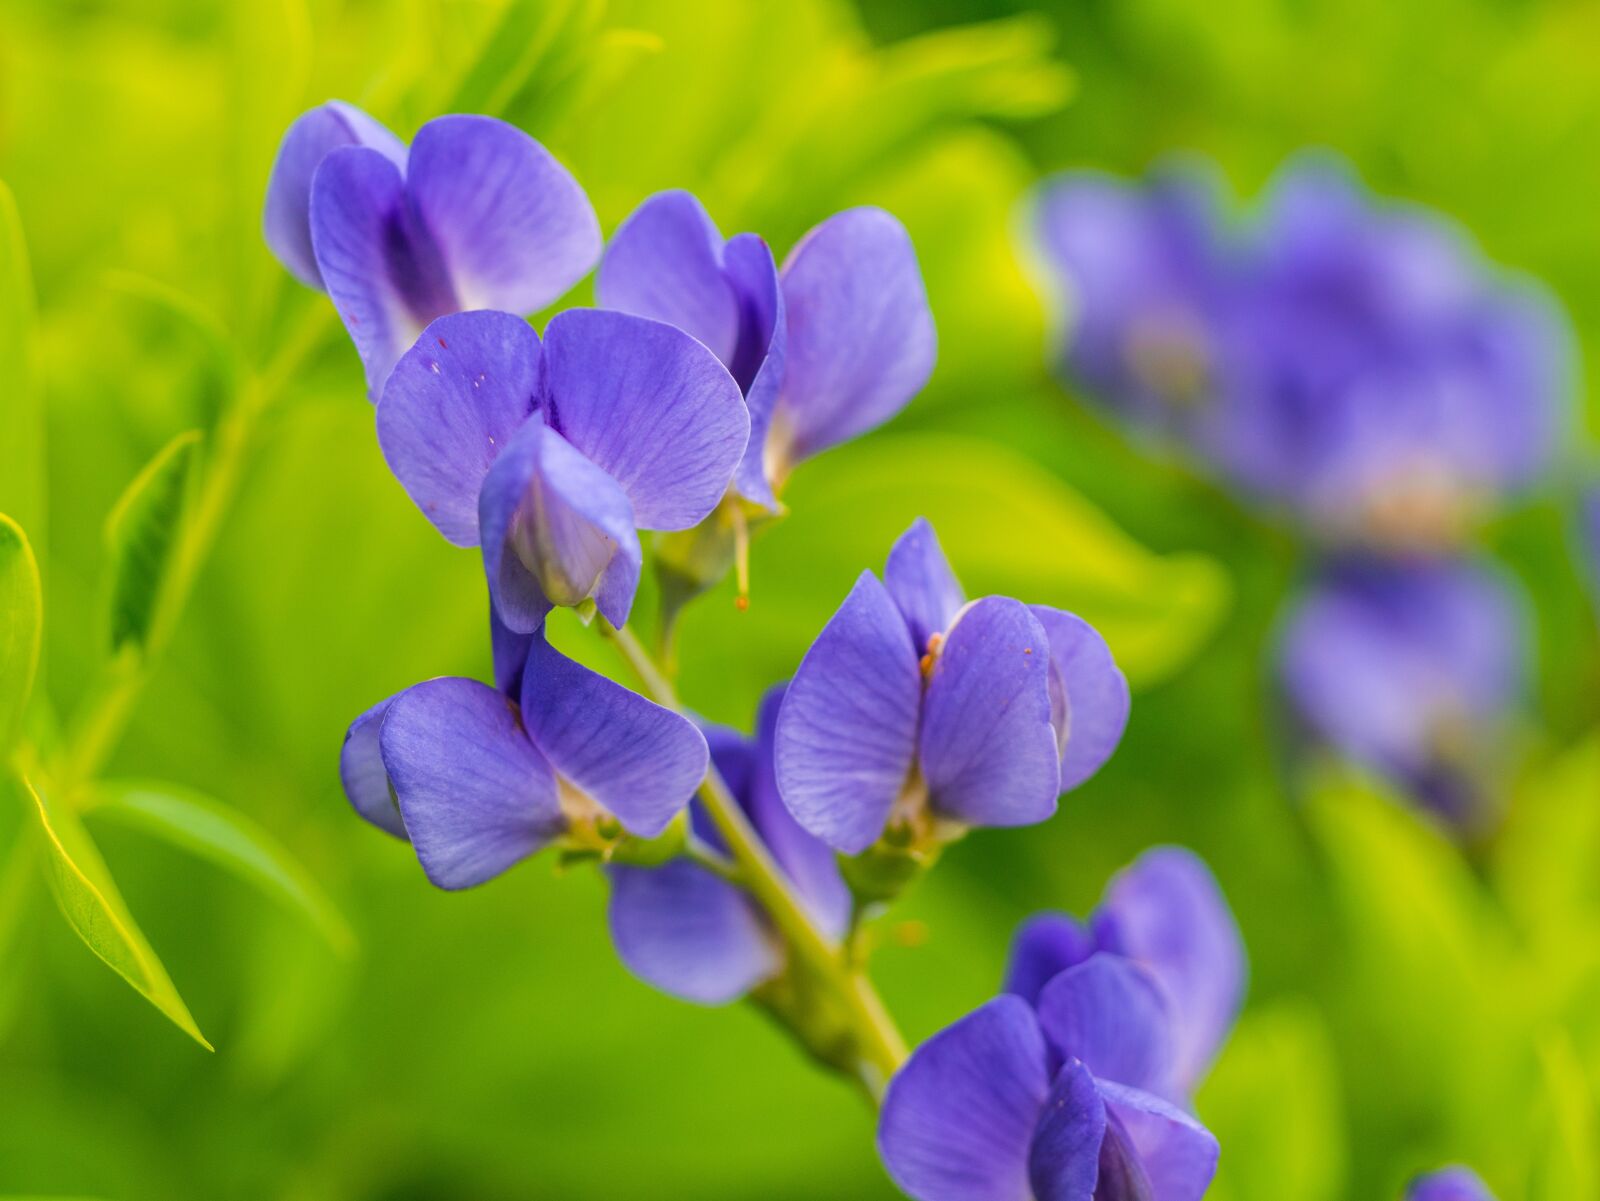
x: 958, y: 1119
x: 1065, y: 1162
x: 1089, y: 699
x: 761, y: 358
x: 924, y: 588
x: 1179, y: 1156
x: 1044, y: 946
x: 361, y: 772
x: 1110, y: 1014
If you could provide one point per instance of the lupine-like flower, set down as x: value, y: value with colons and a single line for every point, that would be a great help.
x: 1166, y: 914
x: 475, y: 215
x: 1451, y: 1184
x: 480, y: 778
x: 1063, y: 1102
x: 830, y: 347
x: 916, y: 710
x: 1411, y: 669
x: 689, y: 933
x: 552, y: 455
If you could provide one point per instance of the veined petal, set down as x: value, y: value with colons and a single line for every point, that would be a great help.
x: 476, y: 796
x: 651, y: 407
x: 450, y: 406
x: 1451, y: 1184
x: 1088, y: 694
x: 1178, y: 1155
x: 682, y: 930
x: 665, y: 262
x: 1111, y: 1015
x: 958, y: 1119
x: 513, y: 226
x: 554, y: 527
x: 286, y: 218
x: 760, y: 359
x: 861, y: 338
x: 1064, y: 1160
x: 361, y: 771
x: 847, y: 731
x: 378, y: 263
x: 987, y: 749
x: 924, y: 588
x: 1166, y: 912
x: 640, y: 761
x: 1044, y: 946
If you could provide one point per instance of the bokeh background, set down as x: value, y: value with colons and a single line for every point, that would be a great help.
x: 1410, y: 1003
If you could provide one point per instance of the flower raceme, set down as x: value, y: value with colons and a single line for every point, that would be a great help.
x: 551, y: 455
x: 475, y: 214
x: 480, y: 778
x: 824, y: 350
x: 920, y: 714
x: 1451, y: 1184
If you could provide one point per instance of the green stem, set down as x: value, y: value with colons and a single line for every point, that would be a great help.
x: 880, y: 1047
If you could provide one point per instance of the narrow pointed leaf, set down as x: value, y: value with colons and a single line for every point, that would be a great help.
x: 142, y: 536
x: 213, y: 831
x: 20, y: 620
x: 93, y: 907
x: 22, y: 461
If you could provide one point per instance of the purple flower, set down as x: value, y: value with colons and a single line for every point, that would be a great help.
x: 1451, y: 1184
x: 476, y: 215
x: 551, y: 456
x: 1165, y: 913
x: 830, y: 347
x: 918, y: 710
x: 1409, y: 668
x: 689, y: 933
x: 478, y: 781
x: 981, y: 1112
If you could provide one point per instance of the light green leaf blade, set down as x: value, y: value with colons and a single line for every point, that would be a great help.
x: 22, y: 458
x: 141, y: 539
x: 93, y: 907
x: 213, y: 831
x: 21, y: 618
x: 1569, y: 1165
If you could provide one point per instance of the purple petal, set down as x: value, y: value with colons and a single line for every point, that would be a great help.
x: 1064, y: 1161
x: 847, y: 732
x: 681, y: 929
x: 650, y: 406
x: 362, y: 773
x: 510, y: 652
x: 453, y: 401
x: 1111, y: 1015
x: 379, y: 264
x: 1088, y: 694
x: 1178, y: 1155
x: 665, y: 262
x: 513, y: 226
x: 1451, y: 1184
x: 1044, y: 946
x: 861, y: 339
x: 640, y: 761
x: 987, y: 748
x: 959, y: 1117
x: 476, y: 796
x: 286, y: 220
x: 924, y: 588
x: 760, y: 360
x: 1166, y: 912
x: 1122, y: 1174
x: 556, y: 530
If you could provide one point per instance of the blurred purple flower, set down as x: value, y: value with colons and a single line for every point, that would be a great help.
x: 551, y: 456
x: 1451, y: 1184
x: 830, y: 347
x: 1165, y: 913
x: 981, y: 1112
x: 476, y: 215
x: 691, y: 934
x: 1410, y: 668
x: 478, y: 782
x: 916, y: 707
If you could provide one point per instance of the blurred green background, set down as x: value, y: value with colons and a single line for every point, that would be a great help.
x: 1410, y: 1004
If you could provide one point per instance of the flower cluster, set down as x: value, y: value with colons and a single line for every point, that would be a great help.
x: 737, y: 866
x: 1357, y: 367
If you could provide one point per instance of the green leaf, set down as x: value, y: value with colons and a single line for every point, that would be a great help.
x: 141, y: 537
x: 1569, y: 1165
x: 205, y: 827
x: 93, y: 907
x: 22, y: 459
x: 21, y: 618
